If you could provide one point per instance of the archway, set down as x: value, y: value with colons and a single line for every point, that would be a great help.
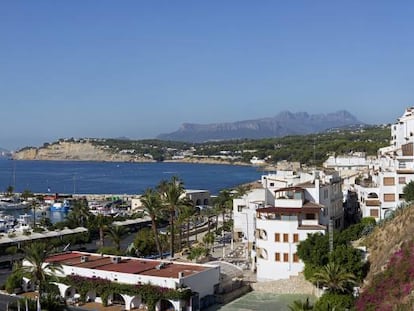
x: 118, y: 299
x: 136, y: 303
x: 165, y: 305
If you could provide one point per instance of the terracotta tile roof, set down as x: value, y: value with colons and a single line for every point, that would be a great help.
x: 127, y: 265
x: 307, y: 207
x: 288, y: 210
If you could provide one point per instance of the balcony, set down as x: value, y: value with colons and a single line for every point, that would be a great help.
x: 309, y: 222
x: 292, y: 197
x: 288, y: 203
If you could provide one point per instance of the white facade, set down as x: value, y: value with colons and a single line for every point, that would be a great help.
x: 354, y: 162
x: 244, y: 214
x: 280, y: 229
x: 321, y: 187
x: 394, y: 171
x: 275, y: 218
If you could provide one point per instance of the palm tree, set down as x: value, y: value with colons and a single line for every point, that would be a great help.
x: 102, y: 223
x: 240, y: 191
x: 223, y: 203
x: 172, y: 201
x: 80, y: 213
x: 116, y: 233
x: 186, y: 214
x: 298, y: 305
x: 26, y: 194
x: 335, y: 278
x: 208, y: 239
x: 151, y: 203
x: 37, y: 268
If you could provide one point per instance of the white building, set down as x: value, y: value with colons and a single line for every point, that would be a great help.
x: 278, y: 231
x: 202, y: 280
x: 354, y: 162
x: 319, y: 190
x: 381, y: 191
x: 244, y: 215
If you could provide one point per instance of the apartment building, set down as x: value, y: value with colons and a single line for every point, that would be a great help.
x: 280, y: 228
x: 289, y: 204
x: 381, y: 191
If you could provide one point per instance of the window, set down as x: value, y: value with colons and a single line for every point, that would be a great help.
x: 373, y: 213
x: 286, y: 257
x: 295, y: 257
x: 240, y: 208
x: 389, y: 181
x: 272, y: 184
x: 310, y: 216
x: 389, y: 197
x: 277, y: 237
x: 285, y: 237
x: 295, y: 238
x: 401, y: 180
x: 277, y: 256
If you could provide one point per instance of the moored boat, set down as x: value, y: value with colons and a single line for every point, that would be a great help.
x: 60, y: 206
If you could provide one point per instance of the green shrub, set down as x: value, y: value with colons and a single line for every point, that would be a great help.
x: 337, y: 302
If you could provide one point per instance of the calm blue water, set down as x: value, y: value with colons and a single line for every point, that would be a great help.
x: 117, y: 178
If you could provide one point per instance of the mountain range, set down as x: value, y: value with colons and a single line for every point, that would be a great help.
x: 283, y: 124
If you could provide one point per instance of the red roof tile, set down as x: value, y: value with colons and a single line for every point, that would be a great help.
x: 126, y: 265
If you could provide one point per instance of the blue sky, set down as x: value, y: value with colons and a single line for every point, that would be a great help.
x: 96, y: 68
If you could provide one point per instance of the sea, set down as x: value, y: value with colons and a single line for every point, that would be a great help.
x: 80, y: 177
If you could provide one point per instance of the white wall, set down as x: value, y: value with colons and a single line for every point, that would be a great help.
x: 269, y: 269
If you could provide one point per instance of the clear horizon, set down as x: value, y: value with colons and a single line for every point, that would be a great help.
x: 107, y: 69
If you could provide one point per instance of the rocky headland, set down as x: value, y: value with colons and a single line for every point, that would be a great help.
x: 76, y: 151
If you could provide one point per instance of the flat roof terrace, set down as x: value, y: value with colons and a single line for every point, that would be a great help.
x: 158, y: 268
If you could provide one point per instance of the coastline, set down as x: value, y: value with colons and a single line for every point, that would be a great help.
x: 136, y: 160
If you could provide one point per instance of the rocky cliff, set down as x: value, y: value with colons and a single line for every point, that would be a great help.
x: 285, y: 123
x: 76, y: 151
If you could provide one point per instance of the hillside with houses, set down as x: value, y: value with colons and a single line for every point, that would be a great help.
x: 357, y: 209
x: 341, y: 230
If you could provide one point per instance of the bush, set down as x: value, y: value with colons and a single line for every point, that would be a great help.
x: 13, y: 281
x: 337, y: 302
x: 38, y: 230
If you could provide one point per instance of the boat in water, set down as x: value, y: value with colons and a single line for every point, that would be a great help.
x: 63, y: 206
x: 7, y: 222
